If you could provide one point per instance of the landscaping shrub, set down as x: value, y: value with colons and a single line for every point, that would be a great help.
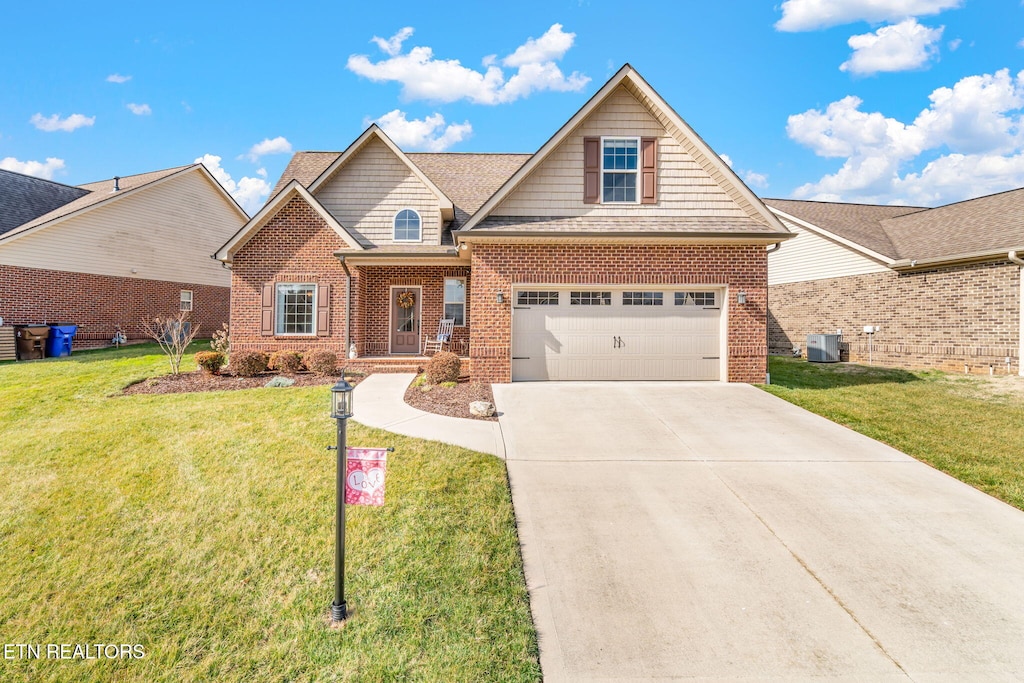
x: 211, y: 361
x: 288, y: 362
x: 443, y: 367
x: 321, y: 362
x: 248, y: 363
x: 221, y: 341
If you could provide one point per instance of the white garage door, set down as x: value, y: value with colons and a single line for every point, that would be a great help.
x: 595, y: 333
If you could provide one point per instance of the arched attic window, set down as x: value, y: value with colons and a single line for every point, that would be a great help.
x: 407, y: 226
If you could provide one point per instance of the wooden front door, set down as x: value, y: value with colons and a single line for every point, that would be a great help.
x: 405, y: 322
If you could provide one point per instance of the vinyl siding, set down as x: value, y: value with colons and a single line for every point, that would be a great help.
x: 164, y: 232
x: 685, y: 188
x: 809, y: 256
x: 374, y: 185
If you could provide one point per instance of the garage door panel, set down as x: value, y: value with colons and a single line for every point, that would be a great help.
x: 607, y: 342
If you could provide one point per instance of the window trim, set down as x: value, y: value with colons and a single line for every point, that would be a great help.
x: 445, y: 302
x: 182, y: 300
x: 394, y: 226
x: 638, y: 188
x: 279, y: 310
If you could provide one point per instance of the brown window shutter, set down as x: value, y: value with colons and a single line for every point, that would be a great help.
x: 649, y: 170
x: 323, y: 310
x: 267, y: 311
x: 591, y: 170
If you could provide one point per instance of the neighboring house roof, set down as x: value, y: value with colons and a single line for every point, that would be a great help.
x: 102, y: 192
x: 859, y: 223
x: 971, y: 228
x: 24, y: 198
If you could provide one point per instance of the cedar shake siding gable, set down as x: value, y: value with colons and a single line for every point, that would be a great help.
x: 371, y: 188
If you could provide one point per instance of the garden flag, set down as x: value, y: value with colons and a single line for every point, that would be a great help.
x: 364, y: 484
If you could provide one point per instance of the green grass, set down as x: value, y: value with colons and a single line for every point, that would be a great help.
x: 964, y: 426
x: 201, y: 527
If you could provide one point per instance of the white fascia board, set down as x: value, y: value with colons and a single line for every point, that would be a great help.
x: 864, y: 251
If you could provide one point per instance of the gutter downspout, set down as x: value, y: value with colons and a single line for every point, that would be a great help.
x: 1020, y: 316
x: 767, y: 348
x: 348, y: 306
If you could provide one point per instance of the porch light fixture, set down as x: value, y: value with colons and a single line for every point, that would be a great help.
x: 341, y: 410
x: 501, y: 297
x: 741, y: 297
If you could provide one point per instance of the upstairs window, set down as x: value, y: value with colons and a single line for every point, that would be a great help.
x: 619, y: 169
x: 407, y: 226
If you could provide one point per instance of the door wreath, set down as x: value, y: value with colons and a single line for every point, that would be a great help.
x: 406, y: 299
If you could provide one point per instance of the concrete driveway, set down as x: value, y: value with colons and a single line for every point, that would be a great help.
x: 714, y: 532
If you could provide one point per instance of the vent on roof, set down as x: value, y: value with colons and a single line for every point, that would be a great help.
x: 117, y: 183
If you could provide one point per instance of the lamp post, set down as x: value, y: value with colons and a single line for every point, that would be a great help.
x: 341, y: 410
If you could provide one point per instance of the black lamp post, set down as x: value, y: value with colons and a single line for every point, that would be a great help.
x: 341, y: 410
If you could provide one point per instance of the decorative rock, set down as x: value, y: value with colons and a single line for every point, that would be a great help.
x: 481, y: 408
x: 280, y: 382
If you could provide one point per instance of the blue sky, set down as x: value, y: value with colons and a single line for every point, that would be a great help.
x: 886, y: 101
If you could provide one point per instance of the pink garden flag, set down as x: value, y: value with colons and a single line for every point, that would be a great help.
x: 364, y: 484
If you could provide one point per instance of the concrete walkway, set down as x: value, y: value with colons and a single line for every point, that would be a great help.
x: 380, y: 402
x: 707, y: 531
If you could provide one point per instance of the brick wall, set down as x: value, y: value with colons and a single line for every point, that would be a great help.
x: 943, y: 318
x: 296, y: 245
x: 99, y: 303
x: 496, y: 267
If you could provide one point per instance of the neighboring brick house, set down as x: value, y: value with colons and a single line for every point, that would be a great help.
x: 943, y: 285
x: 623, y: 249
x: 102, y: 257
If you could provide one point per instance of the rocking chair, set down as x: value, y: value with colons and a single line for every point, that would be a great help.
x: 443, y: 336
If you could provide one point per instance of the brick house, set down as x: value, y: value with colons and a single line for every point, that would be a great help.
x: 943, y: 285
x: 623, y: 249
x: 115, y: 252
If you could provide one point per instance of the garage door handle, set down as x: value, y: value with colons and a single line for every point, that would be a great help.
x: 520, y: 358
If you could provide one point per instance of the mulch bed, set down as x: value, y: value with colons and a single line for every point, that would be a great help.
x: 204, y: 381
x: 450, y: 401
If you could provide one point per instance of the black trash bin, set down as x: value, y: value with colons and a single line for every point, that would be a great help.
x: 31, y: 341
x: 58, y: 344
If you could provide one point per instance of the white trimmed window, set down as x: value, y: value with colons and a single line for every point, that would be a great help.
x: 455, y: 300
x: 408, y: 226
x: 619, y: 170
x: 296, y: 308
x: 186, y: 299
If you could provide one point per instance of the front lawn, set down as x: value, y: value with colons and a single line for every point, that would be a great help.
x: 967, y: 426
x: 200, y: 526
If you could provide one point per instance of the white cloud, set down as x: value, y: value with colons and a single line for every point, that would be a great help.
x: 446, y: 80
x: 808, y: 15
x: 900, y: 47
x: 955, y: 44
x: 250, y: 193
x: 429, y: 133
x: 278, y: 145
x: 726, y: 158
x: 393, y: 45
x: 139, y: 109
x: 55, y: 122
x: 754, y: 179
x: 38, y: 169
x: 1020, y: 43
x: 975, y: 128
x: 118, y: 78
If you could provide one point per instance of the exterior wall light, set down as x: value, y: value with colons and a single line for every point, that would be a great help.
x: 501, y: 297
x: 741, y: 297
x: 341, y: 410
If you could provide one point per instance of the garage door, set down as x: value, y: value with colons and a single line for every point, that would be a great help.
x: 588, y: 333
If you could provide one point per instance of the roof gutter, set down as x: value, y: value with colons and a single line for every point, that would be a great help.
x: 1012, y: 255
x: 635, y: 236
x: 905, y: 265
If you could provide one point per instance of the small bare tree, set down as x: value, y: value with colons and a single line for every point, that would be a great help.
x: 173, y: 333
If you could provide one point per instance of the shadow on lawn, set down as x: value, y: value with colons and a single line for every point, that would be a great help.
x: 795, y: 373
x: 128, y: 351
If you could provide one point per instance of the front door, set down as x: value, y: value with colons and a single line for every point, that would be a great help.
x: 405, y: 320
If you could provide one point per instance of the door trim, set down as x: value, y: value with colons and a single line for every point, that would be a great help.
x: 419, y: 318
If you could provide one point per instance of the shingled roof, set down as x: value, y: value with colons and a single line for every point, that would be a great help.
x: 985, y: 224
x: 24, y: 198
x: 94, y: 193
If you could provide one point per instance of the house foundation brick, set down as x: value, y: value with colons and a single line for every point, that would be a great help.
x: 497, y: 267
x: 944, y: 318
x: 99, y: 304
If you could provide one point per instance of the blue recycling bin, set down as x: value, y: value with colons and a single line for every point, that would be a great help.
x: 58, y: 344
